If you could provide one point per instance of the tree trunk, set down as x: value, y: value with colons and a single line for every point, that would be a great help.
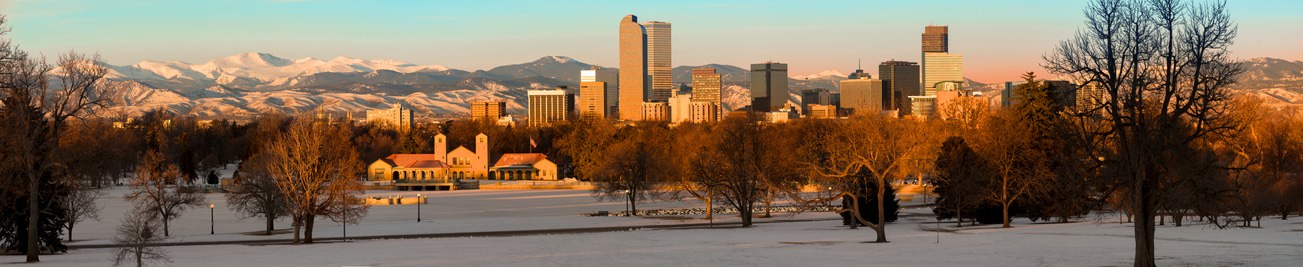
x: 70, y: 223
x: 140, y: 255
x: 769, y: 198
x: 165, y: 224
x: 33, y: 218
x: 710, y: 212
x: 298, y: 222
x: 1144, y: 224
x: 745, y: 211
x: 307, y: 229
x: 270, y: 224
x: 881, y: 228
x: 1006, y: 215
x: 959, y: 214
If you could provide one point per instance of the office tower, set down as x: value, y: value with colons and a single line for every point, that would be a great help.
x: 633, y: 68
x: 592, y: 100
x: 863, y: 95
x: 901, y: 79
x: 706, y: 86
x: 548, y: 106
x: 655, y: 111
x: 658, y: 60
x: 489, y: 111
x: 817, y: 96
x: 704, y: 111
x: 768, y: 86
x: 939, y: 65
x: 936, y: 39
x: 680, y: 107
x: 609, y: 80
x: 396, y: 117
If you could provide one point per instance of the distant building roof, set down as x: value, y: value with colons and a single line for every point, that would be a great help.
x: 415, y: 161
x: 519, y: 159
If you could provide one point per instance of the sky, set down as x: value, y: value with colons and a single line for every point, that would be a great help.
x: 1000, y: 39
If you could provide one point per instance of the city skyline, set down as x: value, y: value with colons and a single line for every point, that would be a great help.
x: 472, y: 36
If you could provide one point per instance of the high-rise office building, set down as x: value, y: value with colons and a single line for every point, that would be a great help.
x: 655, y: 111
x: 706, y: 86
x: 936, y: 39
x: 633, y: 68
x: 680, y: 107
x: 610, y: 81
x: 659, y: 64
x: 863, y: 95
x: 817, y: 96
x: 592, y: 100
x: 939, y: 65
x: 548, y: 106
x: 489, y: 111
x: 768, y: 86
x: 901, y: 79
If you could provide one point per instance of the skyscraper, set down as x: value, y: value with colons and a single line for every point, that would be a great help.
x: 939, y: 65
x: 489, y: 111
x: 768, y: 86
x: 706, y: 86
x: 817, y: 96
x: 863, y: 95
x: 900, y: 78
x: 547, y: 106
x: 658, y: 60
x: 633, y: 68
x: 597, y: 93
x: 936, y: 39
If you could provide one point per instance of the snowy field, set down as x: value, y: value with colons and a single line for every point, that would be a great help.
x: 1096, y: 241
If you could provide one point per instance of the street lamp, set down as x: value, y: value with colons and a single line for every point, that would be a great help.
x: 627, y: 203
x: 212, y: 221
x: 418, y: 207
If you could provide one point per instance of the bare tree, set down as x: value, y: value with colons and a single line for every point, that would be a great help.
x: 729, y: 165
x: 876, y: 144
x: 315, y: 167
x: 1017, y: 167
x: 633, y: 165
x: 138, y: 237
x: 80, y: 205
x: 159, y: 190
x: 1164, y: 66
x: 255, y: 193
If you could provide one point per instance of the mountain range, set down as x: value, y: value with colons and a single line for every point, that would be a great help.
x: 246, y: 84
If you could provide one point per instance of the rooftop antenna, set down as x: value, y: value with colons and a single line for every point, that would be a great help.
x: 859, y: 63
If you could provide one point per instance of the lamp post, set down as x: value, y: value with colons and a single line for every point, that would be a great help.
x: 418, y: 207
x: 627, y: 203
x: 212, y: 221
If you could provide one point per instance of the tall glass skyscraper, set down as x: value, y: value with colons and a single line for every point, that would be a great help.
x: 633, y: 68
x: 939, y: 65
x: 659, y: 64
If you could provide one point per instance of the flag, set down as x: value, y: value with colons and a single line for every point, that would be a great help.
x: 531, y: 143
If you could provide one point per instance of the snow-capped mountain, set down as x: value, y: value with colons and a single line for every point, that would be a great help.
x: 247, y: 84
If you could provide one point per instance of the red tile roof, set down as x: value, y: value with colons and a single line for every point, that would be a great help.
x: 416, y: 161
x: 519, y: 159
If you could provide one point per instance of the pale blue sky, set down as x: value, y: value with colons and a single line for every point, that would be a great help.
x: 999, y: 39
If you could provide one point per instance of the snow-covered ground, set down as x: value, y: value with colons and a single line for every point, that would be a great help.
x: 1097, y: 241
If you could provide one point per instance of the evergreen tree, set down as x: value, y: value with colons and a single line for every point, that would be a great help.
x: 869, y: 205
